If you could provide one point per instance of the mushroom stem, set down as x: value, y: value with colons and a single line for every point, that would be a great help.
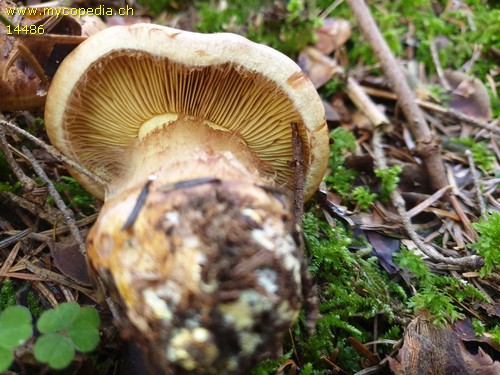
x: 185, y: 149
x: 201, y: 249
x: 207, y: 275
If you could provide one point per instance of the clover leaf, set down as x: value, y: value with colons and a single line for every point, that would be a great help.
x: 84, y: 330
x: 64, y: 329
x: 54, y: 349
x: 6, y: 358
x: 59, y: 318
x: 15, y: 329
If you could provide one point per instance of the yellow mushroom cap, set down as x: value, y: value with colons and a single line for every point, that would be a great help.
x: 119, y: 84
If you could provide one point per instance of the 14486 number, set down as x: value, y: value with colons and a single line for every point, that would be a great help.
x: 28, y: 29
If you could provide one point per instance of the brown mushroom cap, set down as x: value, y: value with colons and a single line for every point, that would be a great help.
x: 126, y: 81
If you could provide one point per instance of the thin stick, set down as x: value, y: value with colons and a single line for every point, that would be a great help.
x: 15, y: 238
x: 469, y: 262
x: 68, y: 214
x: 364, y: 103
x: 299, y: 176
x: 492, y: 126
x: 370, y: 110
x: 54, y: 277
x: 141, y: 199
x: 6, y: 21
x: 32, y: 61
x: 428, y: 202
x: 52, y: 151
x: 53, y: 38
x: 428, y: 147
x: 7, y: 264
x: 28, y: 183
x: 56, y: 231
x: 437, y: 65
x: 477, y: 187
x: 48, y: 213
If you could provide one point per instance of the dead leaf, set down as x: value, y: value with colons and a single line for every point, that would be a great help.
x: 331, y: 113
x: 27, y: 62
x: 70, y: 261
x: 431, y: 349
x: 332, y: 35
x: 465, y: 332
x: 384, y: 247
x: 318, y: 67
x: 469, y: 95
x: 492, y: 309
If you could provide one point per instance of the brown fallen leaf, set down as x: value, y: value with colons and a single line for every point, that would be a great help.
x: 69, y: 260
x: 469, y: 95
x: 332, y: 35
x: 465, y: 332
x: 331, y: 113
x: 384, y: 247
x: 28, y: 61
x: 318, y: 67
x: 431, y: 349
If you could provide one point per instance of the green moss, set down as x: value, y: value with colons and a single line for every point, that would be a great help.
x: 352, y: 291
x: 439, y: 305
x: 363, y: 197
x: 8, y: 290
x: 80, y: 199
x: 495, y: 333
x: 478, y: 327
x: 34, y: 304
x: 488, y: 242
x: 340, y: 178
x: 288, y: 29
x: 269, y: 366
x: 483, y: 157
x: 442, y: 296
x: 389, y: 178
x: 7, y: 294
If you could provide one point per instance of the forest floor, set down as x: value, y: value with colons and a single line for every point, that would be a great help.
x: 403, y: 237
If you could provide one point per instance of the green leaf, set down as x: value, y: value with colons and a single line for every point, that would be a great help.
x: 59, y: 318
x: 15, y: 326
x: 84, y: 331
x: 54, y: 349
x: 6, y: 358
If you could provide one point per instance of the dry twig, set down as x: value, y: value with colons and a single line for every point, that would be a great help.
x: 468, y: 262
x: 27, y: 183
x: 52, y: 151
x: 455, y: 115
x: 428, y: 147
x: 56, y: 278
x: 373, y: 113
x: 47, y: 213
x: 477, y: 186
x: 437, y: 65
x: 299, y: 176
x: 68, y: 214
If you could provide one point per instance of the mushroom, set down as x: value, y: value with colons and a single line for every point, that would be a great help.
x: 196, y: 242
